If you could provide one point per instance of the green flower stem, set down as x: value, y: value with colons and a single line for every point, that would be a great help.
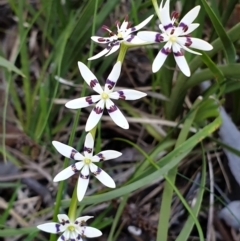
x: 73, y: 204
x: 155, y: 5
x: 65, y: 164
x: 122, y: 52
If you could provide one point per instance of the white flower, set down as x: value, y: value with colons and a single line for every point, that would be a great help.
x: 72, y: 230
x: 124, y: 34
x: 85, y: 164
x: 176, y: 37
x: 104, y: 97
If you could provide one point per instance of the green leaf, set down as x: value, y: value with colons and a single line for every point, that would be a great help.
x: 11, y: 67
x: 228, y: 49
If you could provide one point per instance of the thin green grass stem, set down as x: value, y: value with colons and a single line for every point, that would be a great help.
x: 117, y: 217
x: 155, y: 5
x: 5, y: 116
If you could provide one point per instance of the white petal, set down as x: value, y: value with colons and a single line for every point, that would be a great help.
x: 101, y: 40
x: 200, y: 44
x: 73, y: 235
x: 82, y: 102
x: 65, y: 173
x: 66, y: 235
x: 67, y: 151
x: 60, y: 238
x: 127, y: 95
x: 116, y: 114
x: 100, y: 54
x: 51, y: 227
x: 114, y: 48
x: 89, y: 77
x: 95, y: 116
x: 63, y: 218
x: 190, y: 50
x: 189, y: 17
x: 83, y: 182
x: 132, y: 40
x: 191, y: 28
x: 180, y: 60
x: 165, y: 16
x: 88, y: 145
x: 150, y: 36
x: 113, y: 77
x: 107, y: 155
x: 83, y: 219
x: 91, y: 232
x: 102, y: 176
x: 142, y: 24
x: 124, y: 25
x: 184, y: 42
x: 161, y: 57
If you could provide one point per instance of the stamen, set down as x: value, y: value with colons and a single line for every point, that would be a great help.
x: 175, y: 15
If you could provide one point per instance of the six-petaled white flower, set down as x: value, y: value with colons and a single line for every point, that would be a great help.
x: 104, y: 97
x: 85, y: 164
x: 72, y: 230
x: 176, y: 37
x: 124, y: 34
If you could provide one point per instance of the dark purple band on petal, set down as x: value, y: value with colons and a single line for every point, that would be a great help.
x: 110, y: 84
x: 170, y: 25
x: 131, y: 38
x: 101, y: 40
x: 188, y: 42
x: 98, y: 110
x: 72, y: 239
x: 87, y: 149
x: 89, y: 100
x: 57, y: 227
x: 178, y: 54
x: 62, y: 237
x: 73, y: 153
x: 83, y: 231
x: 121, y: 95
x: 79, y: 237
x: 133, y: 29
x: 84, y: 177
x: 97, y: 172
x: 183, y: 26
x: 63, y: 222
x: 93, y: 83
x: 100, y: 155
x: 74, y: 169
x: 166, y: 51
x: 112, y: 109
x: 158, y: 38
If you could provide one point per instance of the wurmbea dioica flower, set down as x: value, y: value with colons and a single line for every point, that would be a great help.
x: 72, y: 230
x: 124, y: 34
x: 85, y: 164
x: 104, y: 97
x: 176, y: 36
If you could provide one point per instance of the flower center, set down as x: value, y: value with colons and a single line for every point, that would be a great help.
x: 120, y: 35
x: 71, y: 228
x: 105, y: 96
x: 87, y: 161
x: 172, y: 38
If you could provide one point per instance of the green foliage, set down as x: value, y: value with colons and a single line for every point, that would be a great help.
x: 65, y: 33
